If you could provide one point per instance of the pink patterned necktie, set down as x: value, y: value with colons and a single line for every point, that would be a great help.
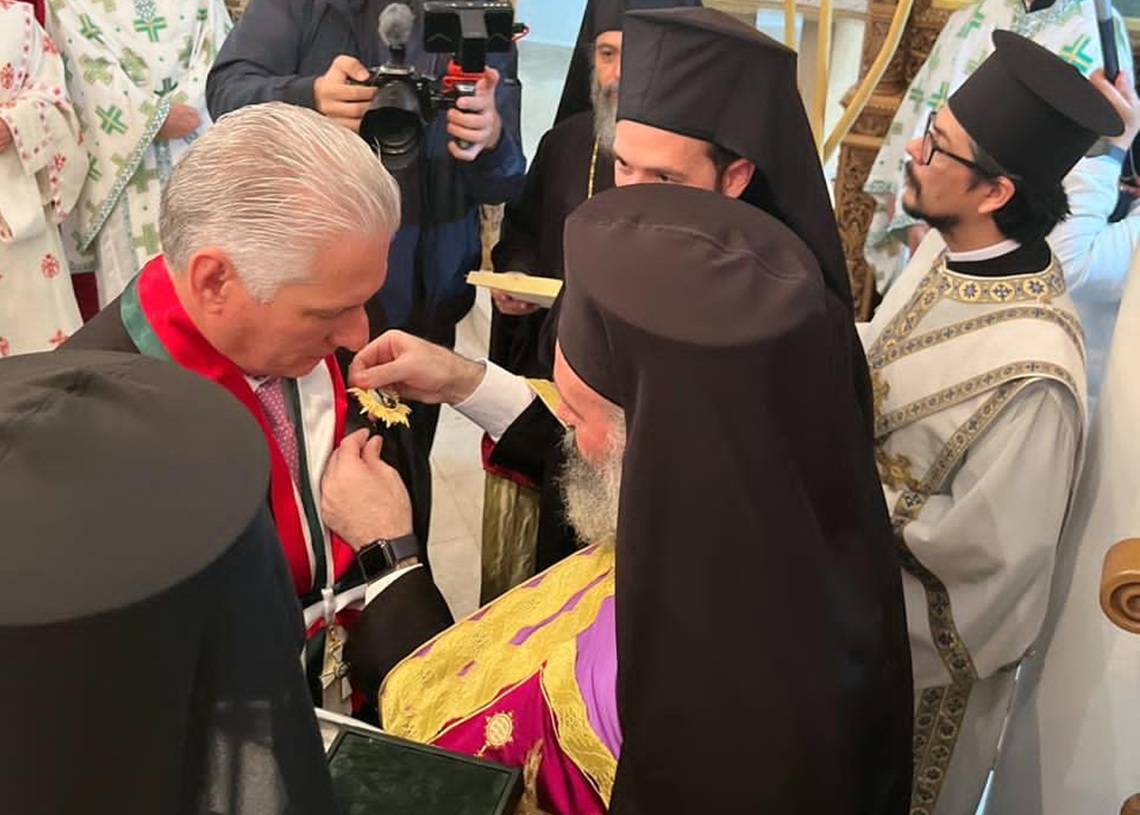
x: 271, y: 394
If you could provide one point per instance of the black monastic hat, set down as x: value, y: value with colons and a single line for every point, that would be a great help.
x: 704, y: 74
x: 146, y: 613
x: 1031, y: 111
x: 749, y: 489
x: 600, y: 16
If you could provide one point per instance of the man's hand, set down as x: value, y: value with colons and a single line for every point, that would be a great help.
x: 509, y: 305
x: 181, y: 121
x: 475, y: 120
x: 1122, y: 96
x: 333, y: 96
x: 5, y: 136
x: 416, y: 369
x: 362, y: 498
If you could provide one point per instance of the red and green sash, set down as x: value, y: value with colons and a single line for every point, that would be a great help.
x: 160, y: 327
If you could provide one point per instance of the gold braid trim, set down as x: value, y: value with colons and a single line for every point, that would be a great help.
x: 1039, y: 288
x: 1035, y: 287
x: 469, y: 665
x: 926, y: 295
x: 941, y: 710
x: 888, y: 423
x: 920, y: 342
x: 576, y: 736
x: 937, y: 723
x: 531, y: 765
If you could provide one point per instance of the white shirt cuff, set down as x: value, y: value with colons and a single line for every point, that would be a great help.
x: 377, y: 586
x: 500, y: 399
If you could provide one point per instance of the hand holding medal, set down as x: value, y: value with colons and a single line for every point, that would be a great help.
x: 397, y: 366
x: 382, y: 406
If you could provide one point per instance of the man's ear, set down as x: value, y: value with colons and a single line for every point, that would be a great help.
x: 736, y: 178
x: 212, y: 279
x: 999, y: 192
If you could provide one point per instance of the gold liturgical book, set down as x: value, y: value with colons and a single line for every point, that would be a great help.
x: 541, y: 291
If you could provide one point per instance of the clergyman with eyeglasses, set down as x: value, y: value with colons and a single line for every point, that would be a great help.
x: 978, y: 367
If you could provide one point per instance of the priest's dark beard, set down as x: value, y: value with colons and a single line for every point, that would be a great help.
x: 943, y: 223
x: 592, y: 491
x: 605, y: 113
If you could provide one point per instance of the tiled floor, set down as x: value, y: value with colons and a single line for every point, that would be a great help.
x: 457, y: 475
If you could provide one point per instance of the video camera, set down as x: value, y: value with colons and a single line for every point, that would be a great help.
x: 406, y: 101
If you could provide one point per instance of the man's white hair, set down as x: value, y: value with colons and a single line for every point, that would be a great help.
x: 272, y: 185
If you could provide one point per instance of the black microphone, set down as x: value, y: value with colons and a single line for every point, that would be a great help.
x: 1107, y: 30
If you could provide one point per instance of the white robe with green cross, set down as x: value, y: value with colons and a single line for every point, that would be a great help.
x: 127, y: 63
x: 1067, y: 28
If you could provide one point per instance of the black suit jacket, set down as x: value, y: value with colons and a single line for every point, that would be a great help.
x: 404, y: 616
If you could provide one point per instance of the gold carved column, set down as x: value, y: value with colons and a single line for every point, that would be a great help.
x: 853, y: 208
x: 235, y: 8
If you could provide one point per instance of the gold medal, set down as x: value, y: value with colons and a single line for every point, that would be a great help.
x: 382, y: 406
x: 498, y: 732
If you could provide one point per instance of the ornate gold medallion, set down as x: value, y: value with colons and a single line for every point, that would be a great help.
x: 383, y: 406
x: 498, y: 732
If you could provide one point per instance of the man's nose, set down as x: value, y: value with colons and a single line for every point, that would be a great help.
x: 914, y: 150
x: 353, y: 334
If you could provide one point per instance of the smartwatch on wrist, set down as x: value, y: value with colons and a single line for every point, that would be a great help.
x: 381, y: 556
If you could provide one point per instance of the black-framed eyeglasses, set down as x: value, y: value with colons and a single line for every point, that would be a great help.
x: 929, y: 148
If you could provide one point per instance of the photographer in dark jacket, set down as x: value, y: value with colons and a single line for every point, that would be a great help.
x: 305, y: 52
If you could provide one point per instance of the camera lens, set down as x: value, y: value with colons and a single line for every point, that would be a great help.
x: 394, y: 126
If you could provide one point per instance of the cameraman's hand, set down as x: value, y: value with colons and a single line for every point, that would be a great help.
x: 416, y: 369
x: 1122, y: 96
x: 475, y: 120
x: 345, y: 104
x: 362, y: 498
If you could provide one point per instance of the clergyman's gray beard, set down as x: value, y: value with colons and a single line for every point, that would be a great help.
x: 605, y: 101
x: 591, y: 492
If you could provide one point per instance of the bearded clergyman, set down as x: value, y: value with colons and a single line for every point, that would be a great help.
x: 730, y: 642
x: 573, y: 163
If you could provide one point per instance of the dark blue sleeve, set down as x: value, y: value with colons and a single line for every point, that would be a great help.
x: 259, y: 60
x: 497, y: 176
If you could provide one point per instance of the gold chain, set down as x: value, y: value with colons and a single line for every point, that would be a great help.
x: 593, y: 167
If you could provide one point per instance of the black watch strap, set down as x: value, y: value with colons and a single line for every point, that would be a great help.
x: 381, y: 556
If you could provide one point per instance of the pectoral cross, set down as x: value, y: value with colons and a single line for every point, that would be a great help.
x: 337, y: 692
